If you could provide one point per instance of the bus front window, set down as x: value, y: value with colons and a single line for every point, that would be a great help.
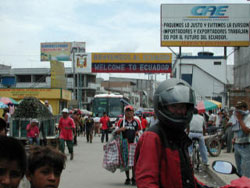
x: 115, y: 107
x: 100, y: 106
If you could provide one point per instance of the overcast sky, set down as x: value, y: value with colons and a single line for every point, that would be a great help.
x: 105, y: 26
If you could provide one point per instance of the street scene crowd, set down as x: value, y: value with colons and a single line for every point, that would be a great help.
x: 152, y: 150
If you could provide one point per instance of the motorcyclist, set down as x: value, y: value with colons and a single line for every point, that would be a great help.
x: 161, y: 157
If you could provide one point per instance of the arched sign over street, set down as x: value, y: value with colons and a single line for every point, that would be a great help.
x: 131, y: 62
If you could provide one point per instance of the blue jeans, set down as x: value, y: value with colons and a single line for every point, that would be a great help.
x: 36, y: 140
x: 242, y: 159
x: 202, y: 146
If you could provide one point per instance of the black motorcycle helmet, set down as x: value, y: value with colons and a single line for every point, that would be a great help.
x: 174, y: 91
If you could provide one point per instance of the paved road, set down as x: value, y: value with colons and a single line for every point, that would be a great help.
x: 86, y: 168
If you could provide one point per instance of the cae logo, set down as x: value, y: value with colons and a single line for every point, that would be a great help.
x: 214, y: 11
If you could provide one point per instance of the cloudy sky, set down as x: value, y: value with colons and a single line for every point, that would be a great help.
x: 105, y: 26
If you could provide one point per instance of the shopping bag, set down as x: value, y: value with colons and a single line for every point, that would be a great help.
x: 111, y: 156
x: 131, y: 154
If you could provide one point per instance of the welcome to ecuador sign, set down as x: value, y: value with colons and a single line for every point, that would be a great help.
x: 131, y: 62
x: 205, y: 24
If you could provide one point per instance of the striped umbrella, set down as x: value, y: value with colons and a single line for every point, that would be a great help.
x: 7, y: 100
x: 207, y: 105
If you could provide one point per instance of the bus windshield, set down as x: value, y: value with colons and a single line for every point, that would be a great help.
x: 113, y: 106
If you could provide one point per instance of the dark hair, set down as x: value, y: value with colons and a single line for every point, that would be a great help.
x: 104, y: 113
x: 3, y: 125
x: 12, y: 150
x: 210, y: 111
x: 42, y: 156
x: 241, y: 104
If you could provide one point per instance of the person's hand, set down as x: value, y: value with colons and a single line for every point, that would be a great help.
x: 233, y: 140
x: 121, y: 130
x: 239, y: 116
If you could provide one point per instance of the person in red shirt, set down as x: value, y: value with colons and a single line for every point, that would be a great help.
x: 33, y: 132
x: 144, y: 122
x: 161, y: 156
x: 104, y: 121
x: 66, y: 127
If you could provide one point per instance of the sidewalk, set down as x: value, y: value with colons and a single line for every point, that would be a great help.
x: 225, y: 157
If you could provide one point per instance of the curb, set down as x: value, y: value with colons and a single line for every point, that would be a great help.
x: 215, y: 177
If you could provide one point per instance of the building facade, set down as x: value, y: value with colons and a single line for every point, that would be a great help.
x: 83, y: 91
x: 241, y: 87
x: 209, y: 75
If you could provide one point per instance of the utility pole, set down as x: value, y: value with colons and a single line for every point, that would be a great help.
x: 74, y: 72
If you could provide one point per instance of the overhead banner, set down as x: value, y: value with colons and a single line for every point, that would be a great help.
x: 58, y: 51
x: 131, y: 62
x: 58, y: 79
x: 83, y: 63
x: 205, y: 24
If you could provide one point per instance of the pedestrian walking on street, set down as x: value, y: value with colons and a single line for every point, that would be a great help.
x: 12, y: 162
x: 45, y: 165
x: 129, y: 127
x: 89, y: 126
x: 97, y: 125
x: 104, y: 129
x: 161, y: 158
x: 241, y: 139
x: 144, y: 123
x: 76, y: 117
x: 66, y: 128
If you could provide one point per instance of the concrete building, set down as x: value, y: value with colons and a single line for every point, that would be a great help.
x: 242, y: 68
x: 41, y: 78
x: 241, y: 87
x: 142, y: 88
x: 209, y: 75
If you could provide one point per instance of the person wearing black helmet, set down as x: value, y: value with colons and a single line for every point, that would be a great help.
x: 161, y: 158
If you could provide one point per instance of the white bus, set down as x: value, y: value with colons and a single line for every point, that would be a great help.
x: 112, y: 104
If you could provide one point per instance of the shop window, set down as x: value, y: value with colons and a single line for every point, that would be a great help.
x: 217, y: 63
x: 188, y: 78
x: 24, y: 78
x: 39, y: 78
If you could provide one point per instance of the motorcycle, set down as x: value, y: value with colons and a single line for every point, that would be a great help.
x: 225, y: 167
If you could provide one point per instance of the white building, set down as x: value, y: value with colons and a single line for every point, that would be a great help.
x: 209, y: 75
